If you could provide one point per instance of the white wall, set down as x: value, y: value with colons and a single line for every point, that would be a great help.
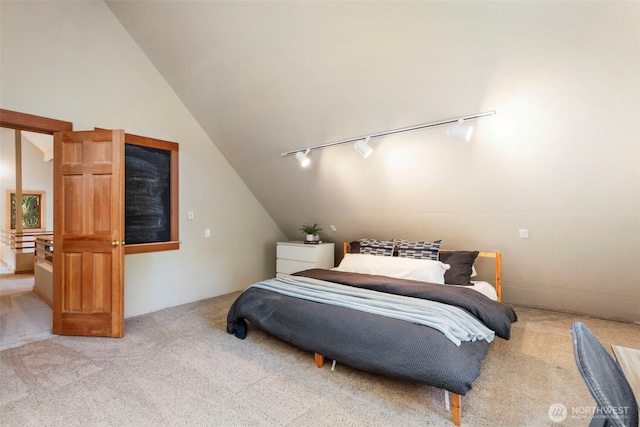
x: 561, y: 158
x: 74, y: 61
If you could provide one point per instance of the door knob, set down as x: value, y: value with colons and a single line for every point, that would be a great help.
x: 115, y: 243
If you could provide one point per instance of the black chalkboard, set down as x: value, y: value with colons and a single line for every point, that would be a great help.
x: 147, y: 201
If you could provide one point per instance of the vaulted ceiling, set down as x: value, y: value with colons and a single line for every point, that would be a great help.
x: 267, y: 77
x: 263, y: 78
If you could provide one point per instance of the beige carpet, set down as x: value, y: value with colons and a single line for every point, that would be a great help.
x: 178, y: 367
x: 4, y: 268
x: 24, y: 316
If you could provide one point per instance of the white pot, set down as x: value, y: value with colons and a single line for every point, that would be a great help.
x: 311, y: 238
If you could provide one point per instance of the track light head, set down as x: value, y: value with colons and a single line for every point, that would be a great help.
x: 303, y: 158
x: 460, y: 131
x: 362, y: 147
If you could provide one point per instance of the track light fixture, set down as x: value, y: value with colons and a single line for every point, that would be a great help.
x: 303, y: 158
x: 456, y: 130
x: 362, y: 147
x: 460, y: 131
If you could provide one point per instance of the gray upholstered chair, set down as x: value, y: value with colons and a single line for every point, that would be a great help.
x: 616, y: 404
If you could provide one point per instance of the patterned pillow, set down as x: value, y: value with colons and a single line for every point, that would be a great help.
x: 419, y: 250
x: 377, y: 247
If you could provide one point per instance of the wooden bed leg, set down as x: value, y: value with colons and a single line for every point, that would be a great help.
x: 456, y: 411
x: 319, y: 360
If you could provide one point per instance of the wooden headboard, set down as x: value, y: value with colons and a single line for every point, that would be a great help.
x: 496, y: 255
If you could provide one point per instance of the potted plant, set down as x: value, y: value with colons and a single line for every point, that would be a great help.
x: 311, y: 232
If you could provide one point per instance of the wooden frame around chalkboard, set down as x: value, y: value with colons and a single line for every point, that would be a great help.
x: 174, y: 242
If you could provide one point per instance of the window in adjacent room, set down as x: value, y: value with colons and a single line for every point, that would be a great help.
x: 32, y: 209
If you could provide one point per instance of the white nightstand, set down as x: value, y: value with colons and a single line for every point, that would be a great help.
x: 292, y: 257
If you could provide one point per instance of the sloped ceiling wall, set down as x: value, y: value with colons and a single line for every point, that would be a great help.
x: 560, y: 159
x: 74, y: 61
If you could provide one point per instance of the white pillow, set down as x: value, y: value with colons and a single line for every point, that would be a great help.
x: 423, y: 270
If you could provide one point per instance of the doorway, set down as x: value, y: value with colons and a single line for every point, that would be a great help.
x: 24, y: 316
x: 25, y: 309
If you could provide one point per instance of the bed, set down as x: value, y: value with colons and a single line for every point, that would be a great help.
x: 351, y: 315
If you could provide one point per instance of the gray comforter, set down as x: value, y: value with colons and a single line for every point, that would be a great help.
x: 374, y: 343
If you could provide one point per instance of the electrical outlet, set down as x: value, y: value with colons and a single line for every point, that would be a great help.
x: 207, y: 232
x: 524, y: 234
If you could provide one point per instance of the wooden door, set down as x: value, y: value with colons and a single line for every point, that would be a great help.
x: 88, y: 260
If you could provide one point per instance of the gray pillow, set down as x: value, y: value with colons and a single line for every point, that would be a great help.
x: 461, y: 263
